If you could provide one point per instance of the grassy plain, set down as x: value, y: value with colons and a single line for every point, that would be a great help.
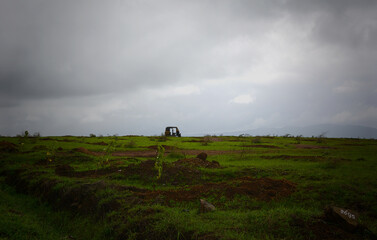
x: 262, y: 187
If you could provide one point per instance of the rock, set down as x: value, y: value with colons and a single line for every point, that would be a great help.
x: 202, y: 156
x: 206, y: 206
x: 64, y: 170
x: 347, y: 218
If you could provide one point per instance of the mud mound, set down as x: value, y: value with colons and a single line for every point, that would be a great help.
x: 197, y: 162
x: 89, y: 173
x: 202, y: 156
x: 100, y: 143
x: 8, y: 147
x: 86, y: 151
x: 264, y: 189
x: 167, y: 147
x: 261, y: 146
x: 40, y: 148
x: 171, y: 173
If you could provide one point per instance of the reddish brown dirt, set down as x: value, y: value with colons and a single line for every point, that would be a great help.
x: 206, y: 139
x: 261, y: 146
x: 197, y: 162
x: 152, y: 153
x: 174, y: 174
x: 209, y: 152
x: 86, y: 151
x: 146, y: 153
x: 8, y: 147
x: 264, y: 189
x: 166, y: 147
x: 100, y: 143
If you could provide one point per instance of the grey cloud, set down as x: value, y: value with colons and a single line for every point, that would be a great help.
x: 92, y: 63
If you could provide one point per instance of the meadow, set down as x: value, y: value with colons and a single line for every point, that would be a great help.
x: 137, y: 187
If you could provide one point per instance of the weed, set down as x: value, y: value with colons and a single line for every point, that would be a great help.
x: 108, y: 150
x: 36, y: 135
x: 298, y: 139
x: 130, y: 144
x: 320, y: 138
x: 159, y: 160
x: 257, y: 139
x: 51, y: 152
x: 207, y: 139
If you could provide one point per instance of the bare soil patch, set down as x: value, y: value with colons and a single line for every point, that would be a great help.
x: 152, y: 153
x: 264, y: 189
x: 166, y: 147
x: 175, y: 174
x: 86, y: 151
x: 261, y: 146
x: 197, y: 162
x: 100, y: 143
x: 8, y: 147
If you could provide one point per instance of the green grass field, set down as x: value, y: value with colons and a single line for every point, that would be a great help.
x: 109, y: 187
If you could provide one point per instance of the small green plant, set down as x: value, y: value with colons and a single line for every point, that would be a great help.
x: 23, y: 138
x: 26, y: 134
x: 108, y: 150
x: 92, y: 135
x: 321, y: 137
x: 207, y: 139
x: 51, y: 152
x: 159, y: 160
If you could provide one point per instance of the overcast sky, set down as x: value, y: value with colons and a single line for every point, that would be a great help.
x: 134, y: 67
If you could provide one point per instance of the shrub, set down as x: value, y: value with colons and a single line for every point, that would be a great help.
x: 257, y: 139
x: 320, y: 138
x: 36, y: 135
x: 130, y: 144
x: 298, y: 139
x: 207, y: 139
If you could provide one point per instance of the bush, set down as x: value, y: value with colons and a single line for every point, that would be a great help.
x: 130, y: 144
x: 257, y: 139
x: 207, y: 139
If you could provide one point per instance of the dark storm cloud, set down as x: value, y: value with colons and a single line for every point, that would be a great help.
x: 53, y: 48
x: 102, y: 64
